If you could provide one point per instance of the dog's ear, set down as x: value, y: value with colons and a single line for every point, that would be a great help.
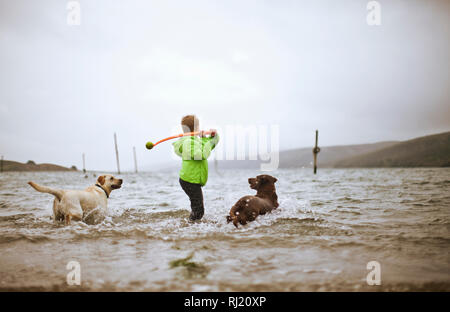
x: 261, y: 178
x: 266, y: 178
x: 101, y: 179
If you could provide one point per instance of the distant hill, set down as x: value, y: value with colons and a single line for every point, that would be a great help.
x: 302, y: 157
x: 328, y: 155
x: 428, y: 151
x: 9, y: 165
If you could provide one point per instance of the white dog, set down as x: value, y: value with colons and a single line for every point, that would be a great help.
x: 78, y: 205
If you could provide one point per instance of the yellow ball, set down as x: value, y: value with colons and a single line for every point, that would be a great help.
x: 149, y: 145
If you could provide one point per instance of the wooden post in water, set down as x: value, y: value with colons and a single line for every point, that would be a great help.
x: 84, y: 164
x: 135, y: 161
x: 316, y: 151
x: 117, y: 153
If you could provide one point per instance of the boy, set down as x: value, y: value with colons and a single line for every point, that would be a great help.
x: 194, y: 152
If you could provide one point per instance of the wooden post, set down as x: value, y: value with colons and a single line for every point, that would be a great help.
x: 1, y: 164
x: 84, y: 164
x: 135, y: 161
x: 316, y: 151
x: 117, y: 153
x: 216, y: 166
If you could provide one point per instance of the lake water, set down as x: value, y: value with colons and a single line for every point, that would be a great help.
x: 326, y: 230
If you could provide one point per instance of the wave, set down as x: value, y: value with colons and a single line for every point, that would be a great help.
x: 16, y: 217
x: 350, y: 199
x: 8, y: 238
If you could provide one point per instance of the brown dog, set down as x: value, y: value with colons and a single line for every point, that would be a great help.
x: 249, y: 207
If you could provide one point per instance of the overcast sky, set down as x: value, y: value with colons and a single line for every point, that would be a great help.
x: 136, y: 67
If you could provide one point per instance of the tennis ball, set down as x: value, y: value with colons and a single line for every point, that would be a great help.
x: 149, y: 145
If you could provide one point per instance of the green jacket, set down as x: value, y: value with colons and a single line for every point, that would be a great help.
x: 194, y: 152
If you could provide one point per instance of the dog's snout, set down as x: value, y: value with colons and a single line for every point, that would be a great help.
x: 120, y: 181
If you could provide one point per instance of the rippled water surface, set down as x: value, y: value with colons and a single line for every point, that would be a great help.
x: 326, y: 230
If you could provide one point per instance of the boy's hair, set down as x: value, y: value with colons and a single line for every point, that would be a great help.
x: 189, y: 123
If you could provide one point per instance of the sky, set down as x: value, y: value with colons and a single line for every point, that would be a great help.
x: 136, y: 67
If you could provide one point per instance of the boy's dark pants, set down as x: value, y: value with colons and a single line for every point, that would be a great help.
x: 194, y: 191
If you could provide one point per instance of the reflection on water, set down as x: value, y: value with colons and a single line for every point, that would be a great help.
x: 328, y: 227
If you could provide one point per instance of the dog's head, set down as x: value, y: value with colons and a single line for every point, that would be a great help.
x: 109, y: 182
x: 261, y: 180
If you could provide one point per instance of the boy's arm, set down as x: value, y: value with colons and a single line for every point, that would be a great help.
x: 178, y: 147
x: 209, y: 144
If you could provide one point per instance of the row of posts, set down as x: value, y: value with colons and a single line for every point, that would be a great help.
x: 117, y: 157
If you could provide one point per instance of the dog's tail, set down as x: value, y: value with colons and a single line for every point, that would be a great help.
x: 43, y: 189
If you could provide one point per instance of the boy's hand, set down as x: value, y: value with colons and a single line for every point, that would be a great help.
x: 213, y: 132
